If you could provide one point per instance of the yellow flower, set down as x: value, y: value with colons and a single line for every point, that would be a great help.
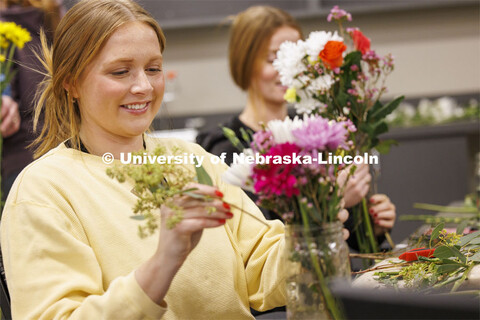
x: 2, y: 58
x: 291, y: 95
x: 11, y: 32
x: 311, y: 61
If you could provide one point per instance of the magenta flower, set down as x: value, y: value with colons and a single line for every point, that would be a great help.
x: 277, y: 179
x: 321, y: 134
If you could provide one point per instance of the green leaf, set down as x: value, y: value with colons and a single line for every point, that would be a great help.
x: 353, y: 57
x: 380, y: 128
x: 444, y: 252
x: 461, y: 227
x: 436, y: 231
x: 202, y: 175
x: 342, y: 98
x: 138, y: 217
x: 469, y: 237
x: 475, y: 257
x: 374, y: 109
x: 386, y: 110
x: 445, y: 268
x: 449, y: 261
x: 474, y: 241
x: 384, y: 146
x: 367, y: 128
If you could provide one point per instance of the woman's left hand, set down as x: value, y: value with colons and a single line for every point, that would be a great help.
x: 383, y: 213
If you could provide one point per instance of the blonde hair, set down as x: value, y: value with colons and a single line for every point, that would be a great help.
x: 79, y: 37
x: 250, y: 36
x: 51, y: 9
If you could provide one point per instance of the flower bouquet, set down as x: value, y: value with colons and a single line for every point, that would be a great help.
x: 288, y: 168
x: 11, y: 36
x: 326, y: 77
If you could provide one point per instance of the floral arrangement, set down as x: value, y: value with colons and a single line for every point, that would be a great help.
x: 338, y: 75
x: 286, y: 167
x: 11, y: 36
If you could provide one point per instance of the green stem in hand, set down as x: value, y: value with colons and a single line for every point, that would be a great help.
x: 368, y: 225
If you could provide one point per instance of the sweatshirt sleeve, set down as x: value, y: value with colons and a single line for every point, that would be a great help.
x: 52, y: 272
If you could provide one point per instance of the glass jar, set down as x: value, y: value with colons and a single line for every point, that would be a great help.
x: 314, y: 256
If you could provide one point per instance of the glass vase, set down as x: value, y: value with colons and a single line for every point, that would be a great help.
x: 315, y: 255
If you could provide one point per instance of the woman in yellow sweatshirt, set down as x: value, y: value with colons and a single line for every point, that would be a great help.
x: 69, y: 246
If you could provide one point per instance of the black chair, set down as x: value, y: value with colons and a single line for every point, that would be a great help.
x: 4, y: 296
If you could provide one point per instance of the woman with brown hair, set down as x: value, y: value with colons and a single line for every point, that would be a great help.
x: 69, y: 245
x: 17, y: 127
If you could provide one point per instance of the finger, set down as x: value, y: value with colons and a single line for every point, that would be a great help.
x: 189, y: 226
x: 346, y: 233
x: 380, y: 207
x: 342, y: 215
x: 205, y: 190
x: 213, y: 210
x: 379, y: 197
x: 385, y: 215
x: 387, y: 224
x: 364, y: 191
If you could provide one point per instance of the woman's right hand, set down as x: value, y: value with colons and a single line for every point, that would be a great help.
x: 175, y: 244
x: 357, y: 186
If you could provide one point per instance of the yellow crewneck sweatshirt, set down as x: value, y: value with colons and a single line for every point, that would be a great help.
x: 70, y: 248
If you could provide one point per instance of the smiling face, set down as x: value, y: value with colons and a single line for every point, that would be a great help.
x: 266, y: 80
x: 121, y: 90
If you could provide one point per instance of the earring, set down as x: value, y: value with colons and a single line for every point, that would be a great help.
x: 72, y: 99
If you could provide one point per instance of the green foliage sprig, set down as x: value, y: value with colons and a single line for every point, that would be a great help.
x: 454, y: 257
x: 155, y: 185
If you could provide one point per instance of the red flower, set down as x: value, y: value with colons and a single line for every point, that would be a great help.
x: 332, y: 54
x: 360, y: 42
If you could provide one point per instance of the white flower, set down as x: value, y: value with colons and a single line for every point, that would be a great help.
x: 239, y: 173
x: 424, y: 108
x: 322, y: 83
x: 405, y: 111
x: 289, y: 61
x: 317, y: 40
x: 282, y: 130
x: 307, y: 103
x: 448, y: 108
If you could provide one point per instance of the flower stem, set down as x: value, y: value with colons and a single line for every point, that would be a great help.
x: 463, y: 278
x: 368, y: 225
x: 329, y: 300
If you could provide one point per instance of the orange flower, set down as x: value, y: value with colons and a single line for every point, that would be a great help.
x: 331, y: 54
x: 361, y: 42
